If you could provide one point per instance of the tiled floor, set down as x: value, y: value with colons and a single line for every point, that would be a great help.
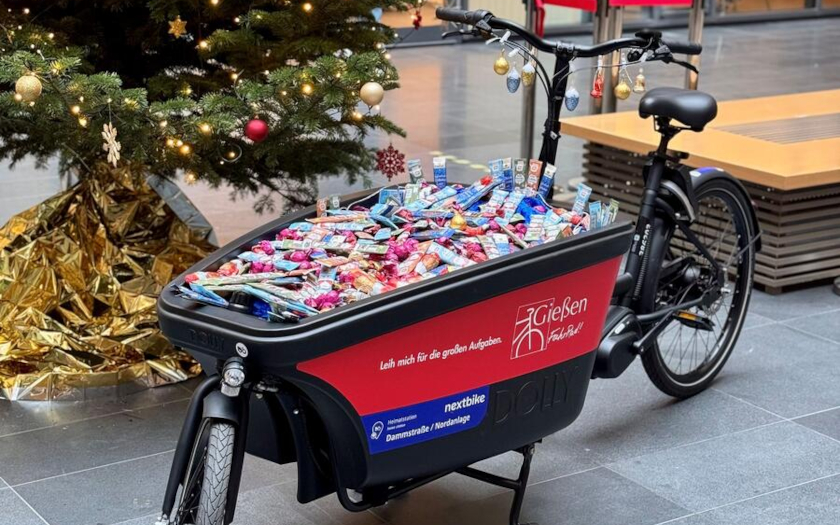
x: 762, y: 447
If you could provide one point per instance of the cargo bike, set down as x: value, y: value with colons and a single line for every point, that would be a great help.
x: 381, y: 396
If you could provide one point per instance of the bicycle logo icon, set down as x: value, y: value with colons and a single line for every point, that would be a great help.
x: 532, y: 328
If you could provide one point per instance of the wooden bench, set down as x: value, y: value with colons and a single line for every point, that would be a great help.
x: 786, y: 151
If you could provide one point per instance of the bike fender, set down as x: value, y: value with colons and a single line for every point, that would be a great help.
x: 220, y: 406
x: 699, y: 176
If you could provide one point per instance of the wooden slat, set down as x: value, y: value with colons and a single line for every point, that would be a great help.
x: 800, y: 228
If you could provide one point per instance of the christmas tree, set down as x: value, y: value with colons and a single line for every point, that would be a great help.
x: 263, y: 95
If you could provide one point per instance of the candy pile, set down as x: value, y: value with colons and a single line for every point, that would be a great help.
x: 415, y: 232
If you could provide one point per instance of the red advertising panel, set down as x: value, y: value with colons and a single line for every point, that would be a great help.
x: 500, y: 338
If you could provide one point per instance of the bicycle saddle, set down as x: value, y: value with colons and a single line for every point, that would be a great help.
x: 695, y: 109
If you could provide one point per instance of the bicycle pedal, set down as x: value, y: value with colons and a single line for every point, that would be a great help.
x: 695, y: 321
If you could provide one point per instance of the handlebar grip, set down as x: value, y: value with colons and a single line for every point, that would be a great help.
x: 451, y: 14
x: 686, y: 48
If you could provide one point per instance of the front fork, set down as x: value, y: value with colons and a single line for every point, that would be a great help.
x: 218, y: 398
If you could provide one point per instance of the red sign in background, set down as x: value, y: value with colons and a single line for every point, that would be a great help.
x: 500, y: 338
x: 592, y: 5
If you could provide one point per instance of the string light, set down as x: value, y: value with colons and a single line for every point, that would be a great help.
x: 18, y: 97
x: 357, y: 115
x: 83, y: 122
x: 185, y: 149
x: 307, y: 7
x: 163, y: 124
x: 205, y: 128
x: 179, y: 143
x: 26, y: 10
x: 170, y: 142
x: 387, y: 56
x: 214, y: 2
x: 307, y: 88
x: 234, y: 76
x: 231, y: 155
x: 75, y: 110
x: 190, y: 177
x: 203, y: 44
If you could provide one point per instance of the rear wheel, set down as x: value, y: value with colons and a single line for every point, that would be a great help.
x: 692, y: 349
x: 204, y: 494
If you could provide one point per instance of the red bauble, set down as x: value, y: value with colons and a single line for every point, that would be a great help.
x: 256, y: 130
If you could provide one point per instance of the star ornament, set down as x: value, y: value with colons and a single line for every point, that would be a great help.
x: 111, y: 146
x: 178, y: 27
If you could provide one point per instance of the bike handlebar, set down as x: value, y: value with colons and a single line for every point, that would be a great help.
x: 475, y: 18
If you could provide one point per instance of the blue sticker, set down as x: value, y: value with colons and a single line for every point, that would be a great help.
x: 425, y: 421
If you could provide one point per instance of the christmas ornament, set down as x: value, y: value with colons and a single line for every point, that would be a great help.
x: 29, y: 88
x: 416, y: 19
x: 191, y: 178
x: 390, y: 161
x: 372, y: 93
x: 598, y: 83
x: 571, y: 99
x: 639, y: 84
x: 256, y: 130
x: 178, y: 27
x: 622, y: 90
x: 111, y: 145
x: 230, y: 152
x: 501, y: 66
x: 376, y: 12
x: 529, y: 74
x: 513, y: 80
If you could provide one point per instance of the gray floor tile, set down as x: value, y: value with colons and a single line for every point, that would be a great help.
x: 827, y: 422
x: 28, y: 415
x: 596, y: 496
x: 800, y: 303
x: 276, y: 505
x: 824, y: 325
x: 783, y: 370
x: 730, y: 468
x: 629, y: 416
x: 90, y: 443
x: 816, y: 503
x: 754, y: 320
x: 13, y: 511
x: 556, y: 456
x: 103, y: 495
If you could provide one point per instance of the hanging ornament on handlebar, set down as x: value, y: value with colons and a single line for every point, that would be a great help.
x: 513, y: 80
x: 501, y: 66
x: 639, y: 85
x: 571, y: 99
x: 622, y: 89
x: 529, y: 74
x: 598, y: 83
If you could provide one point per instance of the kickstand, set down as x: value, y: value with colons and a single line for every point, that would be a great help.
x: 517, y: 485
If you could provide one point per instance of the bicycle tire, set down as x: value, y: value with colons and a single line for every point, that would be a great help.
x: 217, y: 466
x: 655, y: 359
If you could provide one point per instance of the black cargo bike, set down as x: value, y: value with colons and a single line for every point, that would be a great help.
x: 320, y: 393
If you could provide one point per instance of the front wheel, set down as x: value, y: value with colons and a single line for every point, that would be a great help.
x: 205, y: 488
x: 690, y: 352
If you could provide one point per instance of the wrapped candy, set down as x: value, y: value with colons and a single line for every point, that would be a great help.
x: 420, y: 231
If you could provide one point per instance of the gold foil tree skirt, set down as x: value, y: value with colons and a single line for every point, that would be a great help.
x: 80, y: 274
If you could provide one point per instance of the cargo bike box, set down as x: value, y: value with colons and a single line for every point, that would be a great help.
x: 393, y: 391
